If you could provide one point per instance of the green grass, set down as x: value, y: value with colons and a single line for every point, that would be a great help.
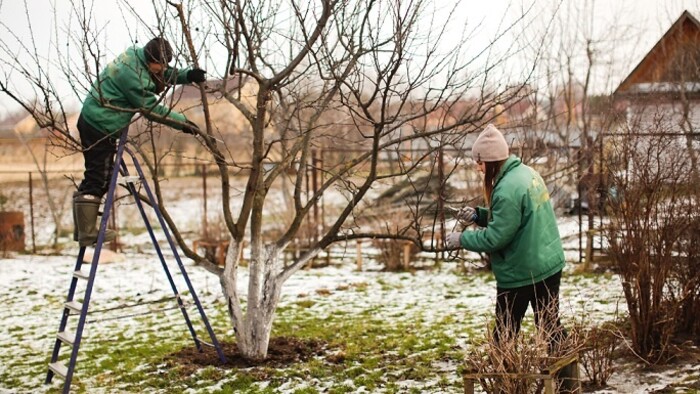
x: 375, y: 354
x: 374, y: 346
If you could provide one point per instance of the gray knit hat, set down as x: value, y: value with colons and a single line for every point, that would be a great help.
x: 490, y: 145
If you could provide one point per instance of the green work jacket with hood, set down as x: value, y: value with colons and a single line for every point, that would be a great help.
x: 521, y: 233
x: 125, y: 87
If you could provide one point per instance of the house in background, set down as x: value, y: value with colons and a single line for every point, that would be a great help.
x: 660, y: 101
x: 662, y: 94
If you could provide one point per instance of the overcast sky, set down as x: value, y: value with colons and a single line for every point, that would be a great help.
x: 648, y: 18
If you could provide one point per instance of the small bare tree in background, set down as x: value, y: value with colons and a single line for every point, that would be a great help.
x: 56, y: 204
x: 577, y: 70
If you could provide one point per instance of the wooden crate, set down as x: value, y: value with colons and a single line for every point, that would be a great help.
x: 548, y: 376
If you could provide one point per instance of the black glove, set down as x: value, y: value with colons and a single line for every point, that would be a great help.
x: 190, y: 128
x: 196, y: 75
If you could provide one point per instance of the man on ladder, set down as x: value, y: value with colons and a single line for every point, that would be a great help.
x: 128, y: 85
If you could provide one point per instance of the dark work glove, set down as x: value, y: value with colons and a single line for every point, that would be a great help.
x: 196, y: 75
x: 190, y: 128
x: 467, y: 215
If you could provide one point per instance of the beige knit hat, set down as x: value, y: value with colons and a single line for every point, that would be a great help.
x: 490, y: 145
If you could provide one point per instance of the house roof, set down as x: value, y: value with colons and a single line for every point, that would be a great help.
x: 657, y: 66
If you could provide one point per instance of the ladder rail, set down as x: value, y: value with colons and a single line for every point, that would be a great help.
x: 65, y: 315
x: 95, y: 258
x: 139, y: 204
x: 180, y: 265
x: 67, y: 372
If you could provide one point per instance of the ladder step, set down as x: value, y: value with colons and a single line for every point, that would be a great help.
x: 80, y: 274
x: 130, y: 179
x: 66, y: 337
x: 74, y: 306
x: 59, y: 369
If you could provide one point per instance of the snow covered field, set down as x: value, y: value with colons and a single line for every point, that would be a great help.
x: 32, y: 289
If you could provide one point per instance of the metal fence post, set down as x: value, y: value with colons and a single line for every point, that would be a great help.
x: 314, y: 183
x: 205, y: 220
x: 31, y: 212
x: 441, y: 196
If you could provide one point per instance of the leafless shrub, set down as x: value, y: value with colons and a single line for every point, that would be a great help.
x: 396, y: 255
x: 650, y: 220
x: 510, y: 365
x: 597, y: 352
x: 686, y: 280
x: 215, y: 229
x: 213, y: 237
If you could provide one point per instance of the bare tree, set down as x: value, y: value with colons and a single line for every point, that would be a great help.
x: 575, y: 74
x: 369, y: 75
x: 651, y: 232
x: 652, y: 160
x: 41, y: 162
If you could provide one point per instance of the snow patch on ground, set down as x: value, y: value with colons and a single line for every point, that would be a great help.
x: 33, y: 289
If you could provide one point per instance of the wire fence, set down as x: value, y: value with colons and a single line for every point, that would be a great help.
x: 44, y: 197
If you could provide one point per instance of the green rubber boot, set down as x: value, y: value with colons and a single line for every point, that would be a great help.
x: 85, y: 209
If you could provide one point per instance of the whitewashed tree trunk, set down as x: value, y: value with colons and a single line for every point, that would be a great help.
x: 266, y: 277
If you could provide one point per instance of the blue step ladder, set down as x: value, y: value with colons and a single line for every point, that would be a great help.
x: 73, y: 307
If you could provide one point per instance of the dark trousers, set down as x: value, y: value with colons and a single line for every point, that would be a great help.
x: 98, y: 152
x: 511, y: 305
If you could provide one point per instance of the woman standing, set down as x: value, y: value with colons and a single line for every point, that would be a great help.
x: 521, y: 236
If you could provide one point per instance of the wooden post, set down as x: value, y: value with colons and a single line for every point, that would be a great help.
x: 314, y: 184
x: 406, y: 255
x: 441, y: 197
x: 205, y: 220
x: 589, y: 249
x: 31, y: 212
x: 323, y: 208
x: 468, y: 385
x: 548, y: 386
x: 577, y: 377
x: 579, y: 190
x: 358, y: 256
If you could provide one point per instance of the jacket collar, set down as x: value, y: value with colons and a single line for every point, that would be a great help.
x: 511, y: 162
x: 141, y: 55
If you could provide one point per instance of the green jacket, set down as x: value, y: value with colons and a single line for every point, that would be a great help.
x: 125, y: 87
x: 521, y: 233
